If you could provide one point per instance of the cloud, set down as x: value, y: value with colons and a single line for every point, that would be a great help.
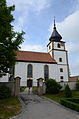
x: 69, y: 29
x: 24, y: 8
x: 27, y: 47
x: 33, y: 5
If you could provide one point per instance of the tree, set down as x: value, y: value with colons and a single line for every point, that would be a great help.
x: 67, y: 91
x: 9, y: 39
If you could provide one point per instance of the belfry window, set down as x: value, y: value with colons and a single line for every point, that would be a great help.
x: 58, y: 45
x: 49, y: 47
x: 29, y: 71
x: 46, y: 72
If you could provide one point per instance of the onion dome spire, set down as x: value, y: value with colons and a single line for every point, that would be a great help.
x: 55, y: 35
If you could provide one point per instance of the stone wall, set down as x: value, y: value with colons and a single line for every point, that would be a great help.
x: 9, y: 85
x: 14, y: 86
x: 72, y: 85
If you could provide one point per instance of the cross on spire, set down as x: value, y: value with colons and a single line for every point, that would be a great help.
x: 54, y: 23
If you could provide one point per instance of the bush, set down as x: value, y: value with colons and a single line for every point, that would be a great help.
x: 52, y: 87
x: 77, y: 85
x: 70, y: 104
x: 67, y: 91
x: 22, y: 88
x: 5, y: 92
x: 76, y: 100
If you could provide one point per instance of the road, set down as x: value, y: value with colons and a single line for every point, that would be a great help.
x: 36, y: 107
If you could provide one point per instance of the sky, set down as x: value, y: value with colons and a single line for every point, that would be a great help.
x: 35, y: 18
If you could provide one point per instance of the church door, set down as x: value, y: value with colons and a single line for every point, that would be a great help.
x: 29, y: 83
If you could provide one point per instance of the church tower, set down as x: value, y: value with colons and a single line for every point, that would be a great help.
x: 56, y: 48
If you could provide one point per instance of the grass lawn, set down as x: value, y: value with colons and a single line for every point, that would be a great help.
x: 57, y: 97
x: 9, y: 107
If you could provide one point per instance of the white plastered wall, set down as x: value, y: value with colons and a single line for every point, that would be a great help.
x: 60, y: 54
x: 64, y: 73
x: 56, y: 46
x: 38, y: 72
x: 4, y: 78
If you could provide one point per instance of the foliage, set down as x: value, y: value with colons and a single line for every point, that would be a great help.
x: 70, y: 104
x: 77, y: 85
x: 76, y: 100
x: 5, y: 92
x: 52, y: 86
x: 22, y: 88
x: 9, y: 107
x: 67, y: 91
x: 35, y: 90
x: 9, y: 39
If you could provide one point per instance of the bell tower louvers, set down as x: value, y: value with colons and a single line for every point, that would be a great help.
x: 56, y: 48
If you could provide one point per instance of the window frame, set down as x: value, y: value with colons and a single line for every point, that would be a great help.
x: 60, y: 59
x: 29, y: 71
x: 61, y: 69
x: 58, y: 45
x: 46, y: 72
x: 61, y: 77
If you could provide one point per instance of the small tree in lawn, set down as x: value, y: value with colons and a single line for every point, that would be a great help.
x: 9, y: 39
x: 67, y: 91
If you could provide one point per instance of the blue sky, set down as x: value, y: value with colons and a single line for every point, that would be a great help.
x: 35, y: 17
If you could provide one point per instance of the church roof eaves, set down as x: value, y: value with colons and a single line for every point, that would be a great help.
x: 36, y: 57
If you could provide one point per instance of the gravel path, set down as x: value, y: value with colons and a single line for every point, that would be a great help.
x: 36, y: 107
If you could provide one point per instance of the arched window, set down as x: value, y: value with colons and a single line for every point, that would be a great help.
x: 29, y: 71
x: 46, y: 72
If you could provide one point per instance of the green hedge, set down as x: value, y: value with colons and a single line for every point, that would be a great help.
x: 70, y: 103
x: 75, y: 100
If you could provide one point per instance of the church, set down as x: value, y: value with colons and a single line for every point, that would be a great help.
x: 34, y: 65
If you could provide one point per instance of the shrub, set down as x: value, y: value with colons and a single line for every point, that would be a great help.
x: 52, y: 86
x: 67, y: 91
x: 5, y: 92
x: 76, y: 100
x: 70, y: 104
x: 77, y: 85
x: 22, y: 88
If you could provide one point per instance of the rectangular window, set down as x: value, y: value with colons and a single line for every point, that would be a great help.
x: 61, y: 77
x: 49, y: 47
x: 60, y: 59
x: 61, y: 69
x: 58, y: 45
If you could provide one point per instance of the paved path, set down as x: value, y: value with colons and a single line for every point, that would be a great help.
x: 40, y: 108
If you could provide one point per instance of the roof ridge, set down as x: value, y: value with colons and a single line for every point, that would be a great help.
x: 31, y: 51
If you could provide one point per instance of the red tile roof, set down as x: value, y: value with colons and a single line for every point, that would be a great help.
x: 74, y: 78
x: 28, y: 56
